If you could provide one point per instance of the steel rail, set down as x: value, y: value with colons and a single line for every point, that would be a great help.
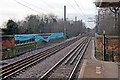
x: 45, y: 75
x: 77, y: 64
x: 11, y: 69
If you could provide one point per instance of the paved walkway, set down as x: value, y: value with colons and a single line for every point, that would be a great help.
x: 93, y: 69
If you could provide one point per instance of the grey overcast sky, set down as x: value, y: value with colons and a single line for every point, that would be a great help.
x: 19, y: 9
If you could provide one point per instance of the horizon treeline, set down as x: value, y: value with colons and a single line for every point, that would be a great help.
x: 36, y: 24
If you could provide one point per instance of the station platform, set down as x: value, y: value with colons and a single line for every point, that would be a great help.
x: 93, y: 69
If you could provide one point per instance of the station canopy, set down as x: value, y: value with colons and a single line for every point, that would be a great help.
x: 107, y: 3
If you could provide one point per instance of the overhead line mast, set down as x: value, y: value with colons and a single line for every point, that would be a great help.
x: 65, y: 22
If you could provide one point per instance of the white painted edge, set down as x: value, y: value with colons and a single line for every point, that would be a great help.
x: 82, y: 70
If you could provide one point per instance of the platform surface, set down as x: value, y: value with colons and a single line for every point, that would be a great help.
x: 93, y: 69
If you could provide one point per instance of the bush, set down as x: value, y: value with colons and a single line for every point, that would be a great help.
x: 13, y: 51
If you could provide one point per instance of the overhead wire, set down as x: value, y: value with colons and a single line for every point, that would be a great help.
x: 80, y: 9
x: 77, y: 11
x: 26, y: 6
x: 71, y: 5
x: 30, y: 7
x: 51, y: 7
x: 35, y: 6
x: 47, y: 4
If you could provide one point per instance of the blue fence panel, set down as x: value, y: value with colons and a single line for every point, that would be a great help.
x: 37, y: 37
x: 24, y: 37
x: 53, y: 36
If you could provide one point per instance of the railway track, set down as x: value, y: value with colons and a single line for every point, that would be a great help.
x: 65, y: 69
x: 10, y: 70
